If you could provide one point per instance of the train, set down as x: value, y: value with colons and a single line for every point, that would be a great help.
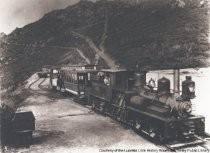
x: 159, y: 114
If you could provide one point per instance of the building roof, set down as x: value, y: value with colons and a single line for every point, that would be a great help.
x: 78, y: 71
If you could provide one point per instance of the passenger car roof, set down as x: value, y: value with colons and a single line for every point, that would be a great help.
x: 113, y: 70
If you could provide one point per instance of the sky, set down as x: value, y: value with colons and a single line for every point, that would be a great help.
x: 17, y: 13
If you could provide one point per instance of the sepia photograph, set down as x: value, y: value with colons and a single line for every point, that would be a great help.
x: 104, y: 76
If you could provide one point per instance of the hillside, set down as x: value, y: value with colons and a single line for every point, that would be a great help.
x: 154, y: 33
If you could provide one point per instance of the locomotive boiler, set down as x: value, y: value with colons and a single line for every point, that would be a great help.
x: 180, y: 106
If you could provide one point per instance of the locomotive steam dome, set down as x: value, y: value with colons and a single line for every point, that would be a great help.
x: 163, y: 85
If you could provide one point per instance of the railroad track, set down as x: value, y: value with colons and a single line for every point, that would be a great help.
x: 29, y: 87
x: 205, y: 147
x: 199, y: 148
x: 188, y: 148
x: 79, y: 114
x: 39, y: 85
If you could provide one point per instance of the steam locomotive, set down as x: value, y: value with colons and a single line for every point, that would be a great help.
x: 126, y: 96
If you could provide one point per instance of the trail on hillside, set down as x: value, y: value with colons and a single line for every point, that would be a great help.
x: 106, y: 57
x: 104, y: 36
x: 65, y: 57
x: 83, y: 56
x: 69, y: 55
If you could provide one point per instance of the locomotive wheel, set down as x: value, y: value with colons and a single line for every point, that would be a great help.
x: 101, y: 106
x: 123, y: 115
x: 112, y: 111
x: 137, y: 125
x: 161, y: 138
x: 93, y: 105
x: 89, y: 101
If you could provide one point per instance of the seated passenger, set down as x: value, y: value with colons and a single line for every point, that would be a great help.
x: 107, y: 81
x: 101, y: 75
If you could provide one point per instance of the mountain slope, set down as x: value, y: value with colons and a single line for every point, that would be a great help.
x: 154, y: 33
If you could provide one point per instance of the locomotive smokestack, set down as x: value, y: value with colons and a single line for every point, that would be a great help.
x: 176, y: 82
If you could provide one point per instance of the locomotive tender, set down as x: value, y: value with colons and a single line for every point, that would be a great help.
x: 125, y: 96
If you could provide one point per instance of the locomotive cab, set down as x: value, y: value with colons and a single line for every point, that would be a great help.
x: 107, y: 79
x: 107, y: 86
x: 119, y: 79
